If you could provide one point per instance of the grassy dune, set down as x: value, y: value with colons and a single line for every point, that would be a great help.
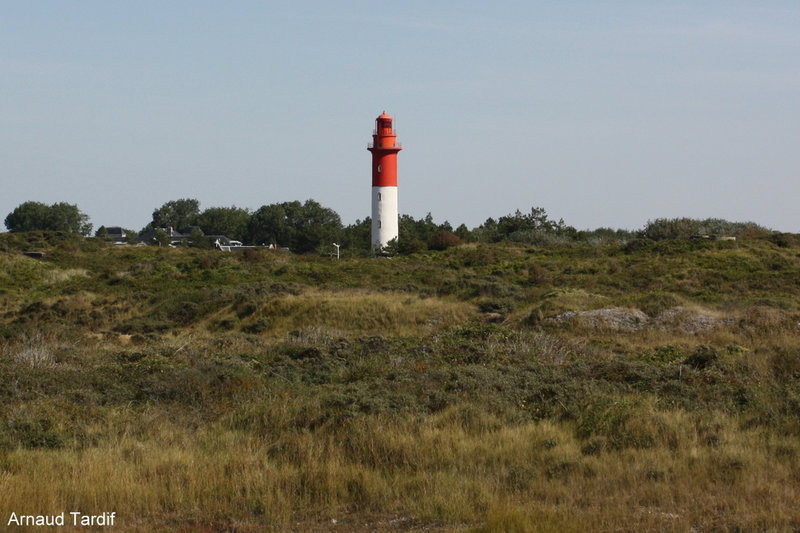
x: 639, y: 387
x: 437, y: 472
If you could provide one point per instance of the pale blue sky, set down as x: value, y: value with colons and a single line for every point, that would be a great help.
x: 604, y: 113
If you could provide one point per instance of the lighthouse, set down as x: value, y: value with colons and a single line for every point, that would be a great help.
x: 384, y: 148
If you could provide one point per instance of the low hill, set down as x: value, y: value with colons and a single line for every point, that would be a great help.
x: 651, y: 385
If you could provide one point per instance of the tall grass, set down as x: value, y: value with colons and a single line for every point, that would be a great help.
x: 447, y: 468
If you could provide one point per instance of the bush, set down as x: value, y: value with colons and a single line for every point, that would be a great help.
x: 442, y: 240
x: 703, y: 357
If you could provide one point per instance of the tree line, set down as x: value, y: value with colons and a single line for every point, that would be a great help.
x: 310, y: 227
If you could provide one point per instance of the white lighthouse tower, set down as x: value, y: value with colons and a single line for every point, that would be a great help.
x: 384, y: 148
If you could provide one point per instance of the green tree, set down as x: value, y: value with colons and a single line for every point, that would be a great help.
x: 314, y: 226
x: 267, y: 225
x: 355, y: 237
x: 67, y: 217
x: 487, y: 232
x: 61, y: 216
x: 198, y: 240
x: 28, y: 216
x: 176, y: 214
x: 161, y: 238
x: 391, y: 248
x: 418, y: 235
x: 131, y: 237
x: 463, y: 233
x: 537, y: 220
x: 412, y: 230
x: 229, y: 221
x: 535, y: 227
x: 301, y: 227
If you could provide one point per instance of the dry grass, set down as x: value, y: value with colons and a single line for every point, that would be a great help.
x: 59, y: 275
x: 360, y: 312
x: 458, y: 467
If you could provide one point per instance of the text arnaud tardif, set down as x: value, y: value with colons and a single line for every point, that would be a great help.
x: 72, y: 518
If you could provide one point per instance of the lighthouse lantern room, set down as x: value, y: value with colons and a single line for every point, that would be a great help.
x: 384, y: 148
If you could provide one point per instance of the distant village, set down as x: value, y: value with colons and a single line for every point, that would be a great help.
x: 169, y: 237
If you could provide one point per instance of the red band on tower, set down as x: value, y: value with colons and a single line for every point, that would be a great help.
x: 384, y: 148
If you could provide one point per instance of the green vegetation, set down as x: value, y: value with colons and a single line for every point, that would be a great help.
x: 574, y: 385
x: 310, y: 227
x: 61, y: 216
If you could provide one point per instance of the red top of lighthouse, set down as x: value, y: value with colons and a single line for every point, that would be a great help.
x: 384, y: 148
x: 384, y: 135
x: 383, y: 125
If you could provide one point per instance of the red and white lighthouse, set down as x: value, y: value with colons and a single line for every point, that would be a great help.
x: 384, y: 148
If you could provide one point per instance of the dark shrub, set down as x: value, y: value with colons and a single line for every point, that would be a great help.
x: 442, y: 240
x: 702, y: 358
